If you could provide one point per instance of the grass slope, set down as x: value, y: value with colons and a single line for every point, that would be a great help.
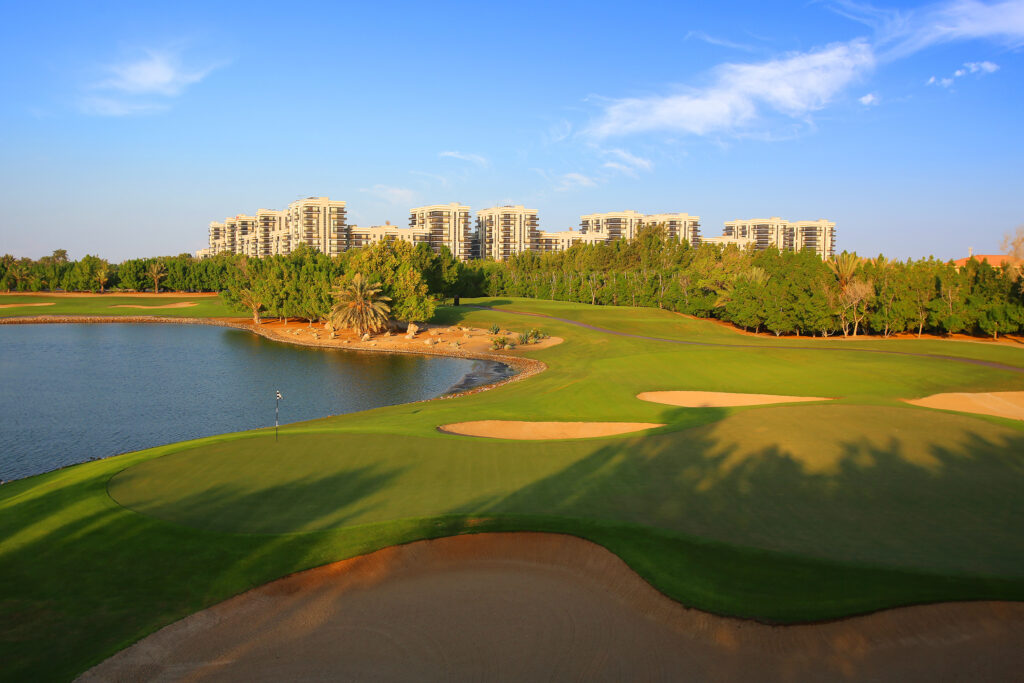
x: 103, y: 304
x: 788, y: 513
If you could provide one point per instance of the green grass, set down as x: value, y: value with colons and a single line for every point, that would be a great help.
x: 783, y: 514
x: 206, y: 306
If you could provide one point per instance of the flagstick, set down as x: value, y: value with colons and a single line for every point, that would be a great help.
x: 277, y: 413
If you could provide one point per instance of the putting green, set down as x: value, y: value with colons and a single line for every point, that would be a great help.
x: 885, y: 486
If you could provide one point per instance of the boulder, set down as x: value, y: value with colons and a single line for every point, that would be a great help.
x: 365, y: 337
x: 412, y: 329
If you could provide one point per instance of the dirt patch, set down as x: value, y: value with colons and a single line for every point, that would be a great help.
x: 530, y: 431
x: 48, y: 303
x: 998, y: 403
x: 718, y: 399
x: 525, y: 606
x: 180, y: 304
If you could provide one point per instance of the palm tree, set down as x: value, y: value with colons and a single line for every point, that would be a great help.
x: 156, y: 270
x: 18, y: 272
x: 360, y: 306
x: 843, y: 267
x: 102, y: 276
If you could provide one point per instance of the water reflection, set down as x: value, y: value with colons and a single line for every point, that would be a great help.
x: 69, y: 393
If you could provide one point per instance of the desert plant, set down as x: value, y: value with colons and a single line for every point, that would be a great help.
x: 156, y: 271
x: 495, y: 328
x: 498, y: 343
x: 360, y: 306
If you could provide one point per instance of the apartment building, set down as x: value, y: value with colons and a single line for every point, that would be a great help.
x: 317, y: 222
x: 612, y: 225
x: 762, y: 233
x: 361, y: 237
x: 447, y: 225
x: 506, y: 230
x: 625, y: 224
x: 562, y: 240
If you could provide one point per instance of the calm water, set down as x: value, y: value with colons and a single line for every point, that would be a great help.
x: 69, y: 393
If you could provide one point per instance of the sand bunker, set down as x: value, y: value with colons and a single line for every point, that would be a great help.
x: 718, y: 399
x: 511, y: 429
x: 999, y: 403
x: 523, y: 606
x: 180, y: 304
x: 48, y: 303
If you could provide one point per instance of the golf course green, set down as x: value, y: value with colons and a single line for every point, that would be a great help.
x: 780, y: 513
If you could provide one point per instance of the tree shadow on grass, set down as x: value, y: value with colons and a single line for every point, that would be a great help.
x: 878, y: 503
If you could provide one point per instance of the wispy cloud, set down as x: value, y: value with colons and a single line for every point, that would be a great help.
x: 471, y: 158
x: 432, y: 176
x: 625, y: 162
x: 979, y: 68
x: 720, y: 42
x: 107, y: 106
x: 739, y: 93
x: 900, y: 33
x: 143, y: 85
x: 391, y: 195
x: 869, y: 100
x: 572, y: 181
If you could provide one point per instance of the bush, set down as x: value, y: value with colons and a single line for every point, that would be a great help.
x: 495, y: 328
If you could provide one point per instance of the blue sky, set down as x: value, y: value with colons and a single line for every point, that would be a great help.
x: 127, y: 127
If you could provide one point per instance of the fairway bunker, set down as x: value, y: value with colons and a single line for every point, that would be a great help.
x: 719, y: 399
x: 536, y: 431
x: 529, y: 606
x: 180, y: 304
x: 997, y: 403
x: 48, y: 303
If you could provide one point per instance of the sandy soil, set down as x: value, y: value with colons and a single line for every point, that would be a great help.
x: 469, y: 340
x: 522, y: 606
x: 999, y: 403
x: 718, y: 399
x: 525, y: 431
x: 48, y: 303
x: 180, y: 304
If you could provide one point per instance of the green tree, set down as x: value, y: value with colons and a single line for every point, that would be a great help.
x: 156, y: 270
x: 360, y: 306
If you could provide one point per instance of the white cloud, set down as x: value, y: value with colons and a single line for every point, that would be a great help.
x: 391, y: 195
x: 901, y: 33
x: 983, y: 67
x: 869, y: 99
x: 106, y: 106
x: 142, y: 85
x: 158, y: 73
x: 720, y: 42
x: 979, y: 68
x: 571, y: 181
x: 471, y: 158
x: 740, y: 93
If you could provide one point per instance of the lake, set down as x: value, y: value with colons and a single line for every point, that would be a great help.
x: 70, y: 393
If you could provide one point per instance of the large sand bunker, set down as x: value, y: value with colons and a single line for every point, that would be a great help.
x: 180, y: 304
x: 48, y: 303
x: 999, y: 403
x: 522, y: 606
x: 512, y: 429
x: 719, y: 399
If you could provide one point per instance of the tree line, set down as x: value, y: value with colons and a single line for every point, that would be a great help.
x: 785, y: 293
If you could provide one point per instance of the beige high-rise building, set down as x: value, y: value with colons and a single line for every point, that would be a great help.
x: 447, y: 225
x: 506, y: 230
x: 361, y: 237
x: 317, y: 222
x: 562, y: 240
x: 625, y: 224
x: 612, y: 225
x: 762, y: 233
